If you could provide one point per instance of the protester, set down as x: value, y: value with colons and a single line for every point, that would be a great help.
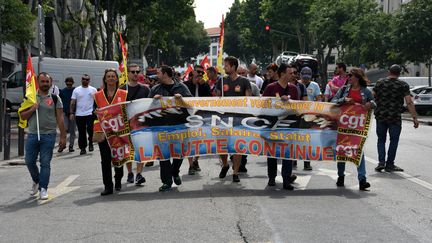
x: 390, y: 94
x: 253, y: 77
x: 198, y: 88
x: 271, y: 75
x: 43, y: 125
x: 312, y: 88
x: 338, y: 80
x: 168, y: 87
x: 284, y: 90
x: 110, y: 94
x: 66, y: 96
x: 233, y: 85
x: 135, y: 91
x: 355, y: 92
x: 213, y: 76
x: 242, y: 71
x: 81, y: 111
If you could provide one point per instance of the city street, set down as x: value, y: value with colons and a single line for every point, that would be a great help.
x: 207, y: 209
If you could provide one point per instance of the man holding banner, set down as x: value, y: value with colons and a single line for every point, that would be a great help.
x: 48, y: 112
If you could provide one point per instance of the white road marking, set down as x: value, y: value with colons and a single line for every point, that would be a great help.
x: 407, y: 176
x: 60, y: 189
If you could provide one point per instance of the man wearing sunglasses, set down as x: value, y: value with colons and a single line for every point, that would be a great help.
x: 81, y: 111
x: 135, y: 91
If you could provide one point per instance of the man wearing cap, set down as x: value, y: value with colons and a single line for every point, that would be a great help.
x: 312, y: 88
x: 66, y: 97
x: 389, y: 94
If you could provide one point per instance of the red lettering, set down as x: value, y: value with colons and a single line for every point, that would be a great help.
x: 253, y: 150
x: 237, y: 144
x: 142, y: 155
x: 301, y: 152
x: 282, y: 147
x: 328, y: 153
x: 208, y: 143
x: 317, y: 153
x: 186, y: 153
x: 157, y: 153
x: 172, y: 151
x: 221, y: 146
x: 197, y: 143
x: 269, y: 149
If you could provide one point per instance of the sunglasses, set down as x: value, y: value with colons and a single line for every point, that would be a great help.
x: 200, y: 72
x: 135, y: 72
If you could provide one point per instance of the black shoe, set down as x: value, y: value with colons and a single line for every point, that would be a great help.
x: 236, y: 178
x: 288, y: 187
x: 117, y: 186
x: 91, y: 147
x: 224, y: 171
x: 380, y: 167
x: 83, y: 151
x: 196, y: 165
x: 177, y: 180
x: 149, y: 164
x: 191, y: 170
x: 294, y: 164
x: 271, y: 182
x: 130, y: 178
x: 165, y: 187
x: 139, y: 179
x: 393, y: 168
x: 60, y: 150
x: 340, y: 181
x: 292, y: 178
x: 107, y: 192
x: 71, y: 150
x: 307, y: 166
x: 242, y: 169
x: 363, y: 185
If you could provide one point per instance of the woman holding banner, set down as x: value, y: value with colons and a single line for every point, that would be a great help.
x: 355, y: 92
x: 110, y: 94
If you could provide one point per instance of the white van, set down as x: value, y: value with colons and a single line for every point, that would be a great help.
x: 415, y: 81
x: 59, y: 69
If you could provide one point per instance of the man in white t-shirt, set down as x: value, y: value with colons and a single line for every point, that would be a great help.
x: 253, y: 77
x: 313, y: 89
x: 81, y: 110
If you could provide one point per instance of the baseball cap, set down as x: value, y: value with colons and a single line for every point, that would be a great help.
x: 396, y: 69
x: 306, y: 73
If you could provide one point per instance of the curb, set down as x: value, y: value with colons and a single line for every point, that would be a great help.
x: 429, y: 123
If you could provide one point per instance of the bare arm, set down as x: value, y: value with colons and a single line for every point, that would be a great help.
x: 60, y: 124
x: 411, y: 109
x: 26, y: 114
x: 72, y: 109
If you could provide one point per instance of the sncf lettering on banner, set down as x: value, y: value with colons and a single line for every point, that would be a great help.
x: 114, y: 123
x: 353, y: 122
x: 255, y: 123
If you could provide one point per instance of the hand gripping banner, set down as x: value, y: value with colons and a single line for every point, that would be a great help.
x: 267, y: 126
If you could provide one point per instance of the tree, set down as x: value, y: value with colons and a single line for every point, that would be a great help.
x: 232, y: 30
x: 16, y: 22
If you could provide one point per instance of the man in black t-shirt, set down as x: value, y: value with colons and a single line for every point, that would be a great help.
x: 233, y: 85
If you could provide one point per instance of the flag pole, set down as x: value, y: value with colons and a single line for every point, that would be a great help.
x: 37, y: 123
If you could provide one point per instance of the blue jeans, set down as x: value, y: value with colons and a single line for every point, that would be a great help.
x: 394, y: 129
x: 361, y: 170
x: 44, y: 148
x: 286, y: 168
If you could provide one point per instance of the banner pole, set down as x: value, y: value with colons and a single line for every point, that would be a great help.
x: 37, y: 123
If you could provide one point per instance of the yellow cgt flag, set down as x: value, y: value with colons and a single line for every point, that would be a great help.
x: 220, y: 49
x: 123, y: 65
x: 30, y: 95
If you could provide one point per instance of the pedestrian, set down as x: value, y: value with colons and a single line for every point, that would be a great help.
x: 338, y: 81
x: 50, y: 116
x: 285, y: 90
x: 213, y: 78
x: 66, y: 96
x: 108, y: 95
x: 312, y: 88
x: 169, y: 87
x: 390, y: 94
x: 355, y: 92
x: 271, y: 75
x: 81, y: 111
x: 198, y: 88
x: 243, y: 71
x: 232, y: 85
x: 253, y: 77
x: 135, y: 91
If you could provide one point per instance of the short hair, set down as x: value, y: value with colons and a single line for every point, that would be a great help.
x: 395, y: 69
x: 198, y: 66
x: 69, y: 79
x: 272, y: 66
x: 283, y: 67
x: 132, y: 65
x: 211, y: 69
x: 44, y: 74
x: 167, y: 69
x: 86, y: 75
x: 341, y: 65
x: 232, y: 61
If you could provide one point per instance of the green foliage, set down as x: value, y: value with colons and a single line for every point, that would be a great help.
x: 16, y: 22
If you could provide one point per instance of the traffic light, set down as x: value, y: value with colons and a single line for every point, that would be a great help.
x: 267, y: 25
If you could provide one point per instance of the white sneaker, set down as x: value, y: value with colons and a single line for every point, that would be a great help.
x: 43, y: 194
x: 35, y: 189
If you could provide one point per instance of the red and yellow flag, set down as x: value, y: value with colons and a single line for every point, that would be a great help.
x: 123, y: 65
x: 31, y: 91
x: 186, y: 74
x: 206, y: 64
x: 220, y: 47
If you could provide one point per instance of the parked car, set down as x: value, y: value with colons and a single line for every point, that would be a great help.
x: 423, y: 101
x: 285, y: 57
x: 305, y: 60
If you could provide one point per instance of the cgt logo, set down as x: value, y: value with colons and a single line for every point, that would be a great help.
x: 119, y: 153
x: 350, y: 151
x: 353, y: 121
x: 114, y: 123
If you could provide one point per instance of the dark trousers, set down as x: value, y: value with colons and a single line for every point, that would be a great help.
x: 84, y: 124
x: 105, y: 153
x: 272, y: 168
x: 394, y: 129
x: 168, y: 170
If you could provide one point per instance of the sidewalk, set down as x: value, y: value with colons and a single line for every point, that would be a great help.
x: 423, y: 120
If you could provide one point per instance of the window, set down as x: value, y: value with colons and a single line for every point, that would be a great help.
x: 15, y: 81
x: 213, y: 51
